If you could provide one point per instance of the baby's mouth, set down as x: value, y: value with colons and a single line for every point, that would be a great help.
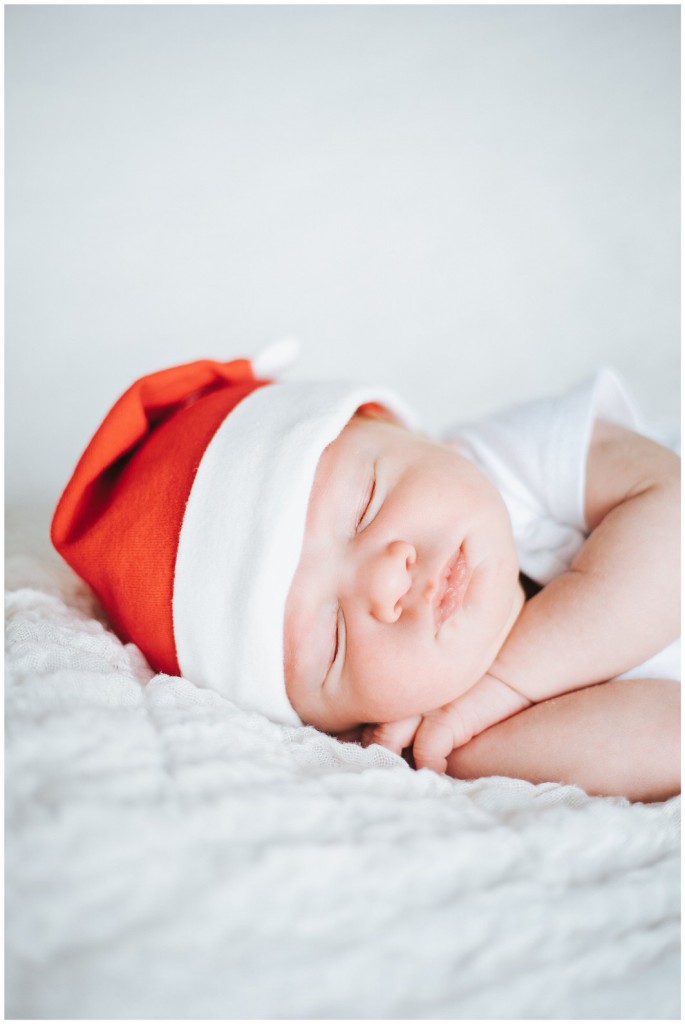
x: 454, y: 581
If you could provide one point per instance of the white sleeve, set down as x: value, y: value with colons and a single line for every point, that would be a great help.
x: 536, y: 455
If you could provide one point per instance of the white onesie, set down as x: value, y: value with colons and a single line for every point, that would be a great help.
x: 536, y: 455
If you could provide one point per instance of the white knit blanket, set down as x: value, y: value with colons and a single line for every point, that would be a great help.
x: 170, y: 856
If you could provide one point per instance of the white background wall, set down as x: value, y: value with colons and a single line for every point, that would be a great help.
x: 471, y: 204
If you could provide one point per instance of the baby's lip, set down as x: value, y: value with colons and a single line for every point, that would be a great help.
x: 451, y: 588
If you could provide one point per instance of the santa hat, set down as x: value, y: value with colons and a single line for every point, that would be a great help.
x: 186, y: 516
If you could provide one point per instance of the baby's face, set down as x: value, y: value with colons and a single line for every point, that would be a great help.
x: 407, y: 583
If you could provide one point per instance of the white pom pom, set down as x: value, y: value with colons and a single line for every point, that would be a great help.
x: 276, y: 357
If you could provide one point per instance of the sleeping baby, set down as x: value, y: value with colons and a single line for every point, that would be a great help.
x: 506, y: 602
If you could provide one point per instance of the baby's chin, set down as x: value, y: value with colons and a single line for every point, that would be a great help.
x: 495, y: 633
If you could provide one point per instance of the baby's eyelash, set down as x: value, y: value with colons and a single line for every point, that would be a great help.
x: 336, y: 643
x: 369, y: 498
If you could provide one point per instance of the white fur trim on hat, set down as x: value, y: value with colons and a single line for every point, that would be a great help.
x: 242, y: 535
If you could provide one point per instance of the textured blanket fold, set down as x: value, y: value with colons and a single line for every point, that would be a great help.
x: 168, y: 855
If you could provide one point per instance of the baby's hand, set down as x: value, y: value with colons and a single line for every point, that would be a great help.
x: 393, y: 735
x: 487, y: 702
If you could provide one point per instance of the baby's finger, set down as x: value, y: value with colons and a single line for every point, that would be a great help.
x: 433, y: 743
x: 393, y: 735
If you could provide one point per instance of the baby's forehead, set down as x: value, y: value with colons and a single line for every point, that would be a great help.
x: 363, y: 440
x: 363, y: 435
x: 342, y: 464
x: 368, y: 434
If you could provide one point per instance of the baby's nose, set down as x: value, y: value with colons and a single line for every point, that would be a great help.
x: 389, y: 579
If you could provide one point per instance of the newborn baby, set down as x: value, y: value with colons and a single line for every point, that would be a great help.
x: 327, y: 564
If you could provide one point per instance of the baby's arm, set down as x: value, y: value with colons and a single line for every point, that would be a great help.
x: 620, y: 738
x: 619, y: 603
x: 442, y: 730
x: 615, y: 739
x: 616, y: 606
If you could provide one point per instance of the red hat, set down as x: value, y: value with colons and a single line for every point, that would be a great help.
x: 186, y: 516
